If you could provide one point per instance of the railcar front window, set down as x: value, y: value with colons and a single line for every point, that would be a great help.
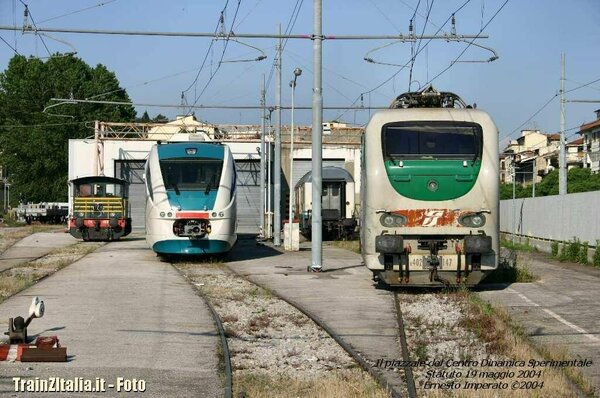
x: 191, y: 175
x: 99, y: 190
x: 432, y: 140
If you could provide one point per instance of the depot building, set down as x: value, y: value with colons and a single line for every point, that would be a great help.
x: 120, y: 150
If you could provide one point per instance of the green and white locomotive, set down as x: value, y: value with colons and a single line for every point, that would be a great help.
x: 430, y: 192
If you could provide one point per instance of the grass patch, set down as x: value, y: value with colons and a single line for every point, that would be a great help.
x: 520, y: 273
x: 352, y: 245
x: 10, y: 222
x: 526, y: 247
x: 575, y: 251
x: 506, y: 337
x: 348, y: 383
x: 19, y: 278
x: 11, y: 237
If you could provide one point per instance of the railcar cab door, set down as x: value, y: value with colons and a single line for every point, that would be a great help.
x: 332, y: 197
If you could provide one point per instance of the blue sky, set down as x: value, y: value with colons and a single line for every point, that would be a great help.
x: 529, y: 36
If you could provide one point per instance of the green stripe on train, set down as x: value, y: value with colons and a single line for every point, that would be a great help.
x: 415, y: 178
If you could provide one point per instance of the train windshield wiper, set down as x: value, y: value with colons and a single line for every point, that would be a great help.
x: 209, y: 185
x: 175, y: 188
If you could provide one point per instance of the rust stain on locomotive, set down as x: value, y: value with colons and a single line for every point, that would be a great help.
x: 430, y: 217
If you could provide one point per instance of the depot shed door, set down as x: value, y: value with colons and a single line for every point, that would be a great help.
x: 248, y: 196
x: 133, y: 172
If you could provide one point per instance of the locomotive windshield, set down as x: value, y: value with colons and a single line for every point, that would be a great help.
x: 432, y: 140
x: 191, y: 174
x: 99, y: 189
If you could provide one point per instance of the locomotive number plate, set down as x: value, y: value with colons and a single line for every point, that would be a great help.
x: 424, y: 262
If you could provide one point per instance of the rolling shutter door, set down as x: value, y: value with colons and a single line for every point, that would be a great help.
x: 133, y: 171
x: 248, y: 196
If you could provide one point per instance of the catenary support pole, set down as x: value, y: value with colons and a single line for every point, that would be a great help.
x: 317, y: 129
x: 514, y: 211
x: 562, y: 163
x: 277, y: 157
x: 263, y: 159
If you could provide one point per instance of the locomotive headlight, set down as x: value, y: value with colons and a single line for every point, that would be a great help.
x: 162, y: 213
x: 221, y: 214
x: 392, y: 220
x: 214, y: 214
x: 169, y: 214
x: 477, y: 220
x: 473, y: 220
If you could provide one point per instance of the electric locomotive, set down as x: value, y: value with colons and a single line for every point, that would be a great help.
x: 191, y: 198
x: 99, y: 208
x: 430, y: 192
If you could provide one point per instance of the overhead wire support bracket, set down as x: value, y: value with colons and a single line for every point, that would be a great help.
x: 451, y: 37
x: 261, y: 57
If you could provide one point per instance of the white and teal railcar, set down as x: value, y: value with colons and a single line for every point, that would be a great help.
x: 191, y: 198
x: 429, y: 192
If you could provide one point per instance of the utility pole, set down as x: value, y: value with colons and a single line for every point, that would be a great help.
x: 534, y: 177
x: 317, y: 131
x: 514, y: 181
x: 562, y: 163
x: 96, y: 159
x: 262, y: 159
x: 277, y: 157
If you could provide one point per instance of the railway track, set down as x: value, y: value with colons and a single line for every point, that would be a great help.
x: 226, y: 355
x: 394, y: 389
x: 410, y: 380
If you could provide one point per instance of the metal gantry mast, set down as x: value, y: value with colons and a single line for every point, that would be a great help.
x: 277, y: 157
x: 317, y: 150
x: 562, y: 160
x: 263, y: 159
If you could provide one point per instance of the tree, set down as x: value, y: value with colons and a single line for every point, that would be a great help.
x: 578, y: 180
x: 144, y: 119
x: 160, y: 118
x: 34, y: 144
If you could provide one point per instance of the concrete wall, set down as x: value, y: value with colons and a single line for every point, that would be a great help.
x: 554, y: 217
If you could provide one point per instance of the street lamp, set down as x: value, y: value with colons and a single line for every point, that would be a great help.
x: 297, y: 72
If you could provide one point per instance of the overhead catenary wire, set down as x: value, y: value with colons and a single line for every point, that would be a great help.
x: 406, y: 64
x: 208, y: 50
x: 545, y: 105
x: 78, y: 11
x: 587, y: 85
x: 8, y: 44
x: 412, y: 64
x: 210, y: 79
x: 290, y: 25
x: 200, y: 106
x: 469, y: 44
x: 26, y: 126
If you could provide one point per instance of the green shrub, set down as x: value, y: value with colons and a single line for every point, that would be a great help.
x: 573, y: 250
x: 554, y: 247
x: 562, y: 256
x: 582, y: 257
x: 597, y: 254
